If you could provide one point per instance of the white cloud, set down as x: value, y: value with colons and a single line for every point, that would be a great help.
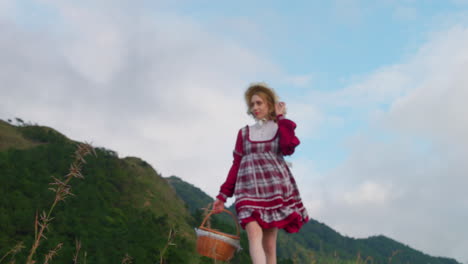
x: 147, y: 84
x: 303, y: 80
x: 367, y: 193
x: 5, y: 7
x: 307, y: 116
x: 309, y: 182
x: 405, y: 175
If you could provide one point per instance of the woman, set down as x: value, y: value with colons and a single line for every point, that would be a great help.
x: 267, y: 198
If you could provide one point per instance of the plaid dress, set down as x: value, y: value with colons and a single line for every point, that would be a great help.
x: 265, y: 189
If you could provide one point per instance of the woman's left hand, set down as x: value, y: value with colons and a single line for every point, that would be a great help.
x: 280, y: 108
x: 218, y: 206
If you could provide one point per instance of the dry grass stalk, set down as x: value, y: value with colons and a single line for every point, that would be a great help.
x: 52, y: 253
x: 62, y: 190
x: 35, y: 226
x: 368, y: 259
x: 127, y: 259
x: 335, y: 257
x: 170, y: 239
x: 312, y: 258
x: 77, y: 252
x: 358, y: 259
x: 295, y: 259
x: 15, y: 250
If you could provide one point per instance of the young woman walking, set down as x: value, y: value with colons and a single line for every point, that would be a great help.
x: 267, y: 198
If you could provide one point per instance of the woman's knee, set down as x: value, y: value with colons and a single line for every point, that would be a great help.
x: 269, y: 240
x: 269, y: 246
x: 254, y: 231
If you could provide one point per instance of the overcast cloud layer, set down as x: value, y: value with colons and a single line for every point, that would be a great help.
x: 170, y: 95
x: 406, y: 175
x: 162, y: 87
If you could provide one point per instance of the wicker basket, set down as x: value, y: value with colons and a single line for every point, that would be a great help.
x: 215, y: 244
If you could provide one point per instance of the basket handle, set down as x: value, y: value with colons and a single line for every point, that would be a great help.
x: 226, y: 211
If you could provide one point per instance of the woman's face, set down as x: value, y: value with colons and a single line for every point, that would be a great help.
x: 258, y: 107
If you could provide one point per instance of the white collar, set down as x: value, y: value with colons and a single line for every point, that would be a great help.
x: 262, y: 122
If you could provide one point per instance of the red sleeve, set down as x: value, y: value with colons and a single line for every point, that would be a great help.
x: 227, y: 189
x: 288, y: 140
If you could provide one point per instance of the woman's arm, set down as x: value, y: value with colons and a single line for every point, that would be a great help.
x: 227, y: 189
x: 288, y: 140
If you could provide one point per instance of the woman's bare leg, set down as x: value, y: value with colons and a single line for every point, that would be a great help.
x: 255, y: 234
x: 269, y: 244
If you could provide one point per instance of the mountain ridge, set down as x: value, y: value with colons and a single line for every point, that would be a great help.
x: 121, y: 206
x: 124, y: 205
x: 322, y: 238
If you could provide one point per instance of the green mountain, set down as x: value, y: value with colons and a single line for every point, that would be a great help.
x: 189, y: 192
x: 320, y: 243
x: 122, y: 206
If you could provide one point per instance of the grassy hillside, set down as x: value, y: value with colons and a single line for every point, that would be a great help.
x: 188, y: 192
x: 122, y: 206
x: 10, y: 137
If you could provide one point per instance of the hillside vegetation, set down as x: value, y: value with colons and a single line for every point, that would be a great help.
x: 123, y: 207
x: 318, y: 243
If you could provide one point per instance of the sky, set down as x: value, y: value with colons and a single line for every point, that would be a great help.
x: 377, y: 89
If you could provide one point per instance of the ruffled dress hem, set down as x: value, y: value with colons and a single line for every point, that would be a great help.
x: 291, y: 224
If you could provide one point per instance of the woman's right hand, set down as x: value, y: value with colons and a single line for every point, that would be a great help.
x: 280, y: 108
x: 218, y: 206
